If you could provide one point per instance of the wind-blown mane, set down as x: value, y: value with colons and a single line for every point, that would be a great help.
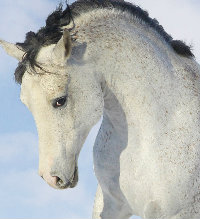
x: 52, y: 32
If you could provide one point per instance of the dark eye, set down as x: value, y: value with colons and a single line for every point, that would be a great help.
x: 59, y: 102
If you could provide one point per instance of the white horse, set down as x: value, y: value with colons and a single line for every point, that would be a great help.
x: 109, y: 58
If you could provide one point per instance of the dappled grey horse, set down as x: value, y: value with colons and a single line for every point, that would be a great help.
x: 110, y: 58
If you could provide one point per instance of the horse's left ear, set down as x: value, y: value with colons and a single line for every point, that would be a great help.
x: 12, y: 50
x: 63, y: 48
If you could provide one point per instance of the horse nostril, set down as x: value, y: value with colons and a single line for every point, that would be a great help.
x: 60, y: 183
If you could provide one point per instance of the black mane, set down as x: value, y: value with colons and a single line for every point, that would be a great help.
x: 51, y: 33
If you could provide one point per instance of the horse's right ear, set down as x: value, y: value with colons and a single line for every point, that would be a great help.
x: 12, y: 50
x: 63, y: 48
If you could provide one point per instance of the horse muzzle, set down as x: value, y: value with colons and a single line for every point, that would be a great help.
x: 59, y: 181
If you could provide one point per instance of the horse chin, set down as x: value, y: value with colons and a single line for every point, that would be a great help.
x: 74, y: 179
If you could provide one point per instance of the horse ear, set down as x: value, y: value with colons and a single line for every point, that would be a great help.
x: 12, y: 50
x: 63, y: 48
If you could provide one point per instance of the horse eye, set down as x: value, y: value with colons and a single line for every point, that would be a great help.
x: 59, y: 102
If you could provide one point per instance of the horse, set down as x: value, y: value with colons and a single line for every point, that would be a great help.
x: 109, y: 58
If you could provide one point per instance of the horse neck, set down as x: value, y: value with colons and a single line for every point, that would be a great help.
x: 126, y: 56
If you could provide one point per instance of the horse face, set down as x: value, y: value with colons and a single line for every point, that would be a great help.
x: 65, y: 103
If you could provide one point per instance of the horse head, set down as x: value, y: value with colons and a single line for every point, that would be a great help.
x: 65, y: 99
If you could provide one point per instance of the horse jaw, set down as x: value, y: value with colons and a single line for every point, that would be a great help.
x: 12, y: 50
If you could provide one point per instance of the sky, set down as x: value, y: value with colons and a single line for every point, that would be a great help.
x: 23, y: 194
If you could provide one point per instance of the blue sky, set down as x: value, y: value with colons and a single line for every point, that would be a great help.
x: 23, y: 194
